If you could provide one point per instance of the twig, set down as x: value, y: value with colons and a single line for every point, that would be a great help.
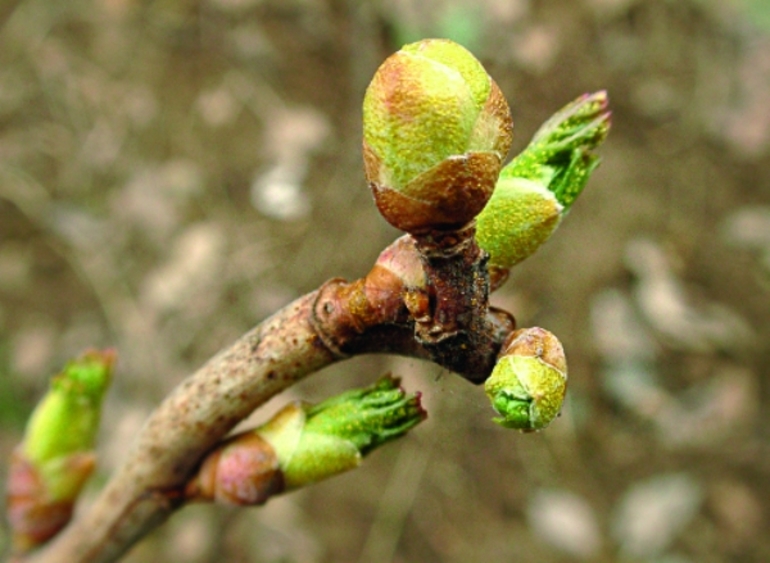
x: 427, y: 296
x: 337, y: 321
x: 194, y: 417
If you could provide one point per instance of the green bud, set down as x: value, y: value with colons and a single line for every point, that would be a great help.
x: 367, y: 417
x: 536, y: 189
x: 316, y: 442
x: 529, y: 381
x: 50, y: 467
x: 560, y: 155
x: 436, y: 129
x: 521, y: 215
x: 66, y: 421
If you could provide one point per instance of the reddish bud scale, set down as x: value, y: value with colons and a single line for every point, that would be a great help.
x: 35, y: 517
x: 244, y: 470
x: 536, y: 342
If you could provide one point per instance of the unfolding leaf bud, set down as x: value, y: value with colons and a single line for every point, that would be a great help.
x: 560, y: 154
x: 536, y: 189
x: 50, y: 467
x: 305, y: 443
x: 338, y: 432
x: 436, y: 130
x: 529, y: 381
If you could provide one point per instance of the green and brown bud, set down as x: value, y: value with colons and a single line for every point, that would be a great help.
x: 529, y: 381
x: 436, y: 131
x: 536, y: 189
x: 305, y: 443
x: 50, y: 467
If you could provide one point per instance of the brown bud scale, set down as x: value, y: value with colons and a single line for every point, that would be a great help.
x: 458, y: 188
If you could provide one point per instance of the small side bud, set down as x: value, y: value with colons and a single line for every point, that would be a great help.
x: 536, y: 189
x: 529, y: 381
x: 560, y: 154
x: 340, y: 431
x: 436, y: 130
x: 305, y: 443
x: 51, y: 466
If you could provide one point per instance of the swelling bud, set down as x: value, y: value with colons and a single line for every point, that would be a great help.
x: 436, y: 130
x: 529, y: 381
x: 50, y: 467
x: 305, y: 443
x: 521, y: 215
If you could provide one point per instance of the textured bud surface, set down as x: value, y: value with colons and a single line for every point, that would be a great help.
x: 519, y: 218
x: 528, y: 384
x: 436, y: 128
x: 418, y: 112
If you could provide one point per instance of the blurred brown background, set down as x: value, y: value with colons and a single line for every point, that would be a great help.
x: 173, y: 171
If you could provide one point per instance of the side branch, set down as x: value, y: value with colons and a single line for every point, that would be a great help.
x: 385, y: 312
x: 193, y: 418
x: 427, y: 295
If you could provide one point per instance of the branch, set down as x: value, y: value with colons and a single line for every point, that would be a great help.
x: 193, y: 418
x: 427, y: 295
x: 335, y: 322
